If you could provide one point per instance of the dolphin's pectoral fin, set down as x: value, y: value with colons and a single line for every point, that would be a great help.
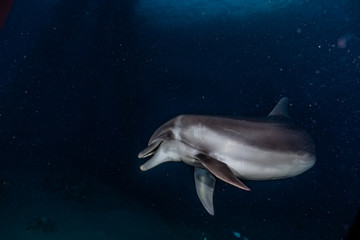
x: 205, y: 184
x: 221, y: 171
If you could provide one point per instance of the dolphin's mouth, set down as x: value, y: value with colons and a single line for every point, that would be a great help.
x: 150, y: 150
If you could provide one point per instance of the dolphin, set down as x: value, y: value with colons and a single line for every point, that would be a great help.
x: 230, y: 149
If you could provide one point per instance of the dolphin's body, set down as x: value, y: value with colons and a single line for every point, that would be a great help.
x: 252, y: 149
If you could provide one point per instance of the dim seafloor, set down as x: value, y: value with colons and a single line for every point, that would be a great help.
x: 106, y: 214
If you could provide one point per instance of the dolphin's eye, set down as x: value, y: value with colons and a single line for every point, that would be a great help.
x: 169, y: 135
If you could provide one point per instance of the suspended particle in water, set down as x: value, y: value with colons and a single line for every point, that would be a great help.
x: 343, y: 40
x: 237, y: 234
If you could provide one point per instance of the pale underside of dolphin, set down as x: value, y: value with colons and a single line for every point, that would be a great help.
x: 232, y: 149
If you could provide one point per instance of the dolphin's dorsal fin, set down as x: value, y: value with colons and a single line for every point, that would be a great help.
x: 281, y: 109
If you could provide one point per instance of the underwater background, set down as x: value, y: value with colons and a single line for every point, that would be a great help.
x: 83, y: 85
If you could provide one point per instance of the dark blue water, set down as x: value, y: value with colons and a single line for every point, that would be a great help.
x: 83, y: 85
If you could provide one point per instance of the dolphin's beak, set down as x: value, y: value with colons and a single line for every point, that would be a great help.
x: 150, y: 150
x: 163, y: 151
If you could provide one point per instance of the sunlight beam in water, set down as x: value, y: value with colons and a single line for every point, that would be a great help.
x: 168, y: 12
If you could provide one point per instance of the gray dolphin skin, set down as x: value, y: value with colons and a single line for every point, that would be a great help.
x: 231, y: 149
